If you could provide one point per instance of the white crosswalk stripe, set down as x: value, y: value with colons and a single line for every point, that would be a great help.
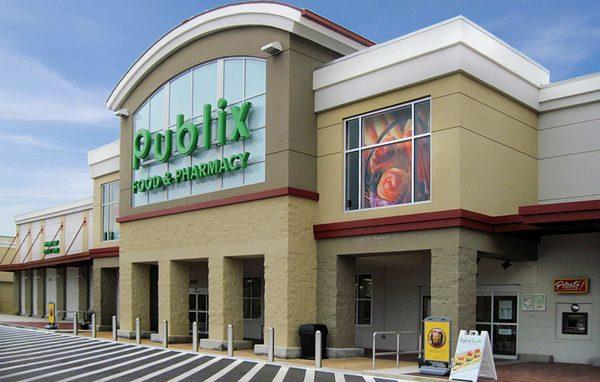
x: 309, y: 376
x: 226, y: 370
x: 166, y: 369
x: 118, y: 375
x: 195, y: 370
x: 251, y: 373
x: 281, y: 374
x: 47, y: 350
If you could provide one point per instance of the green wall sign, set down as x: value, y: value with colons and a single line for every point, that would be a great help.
x: 51, y: 247
x: 186, y: 138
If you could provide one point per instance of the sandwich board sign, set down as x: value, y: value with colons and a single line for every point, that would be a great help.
x: 436, y: 340
x: 473, y: 357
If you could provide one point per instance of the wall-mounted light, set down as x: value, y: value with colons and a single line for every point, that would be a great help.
x: 273, y: 48
x: 122, y: 113
x: 505, y: 265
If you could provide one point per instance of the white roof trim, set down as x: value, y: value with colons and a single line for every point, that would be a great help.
x: 63, y: 209
x: 103, y: 153
x: 275, y: 15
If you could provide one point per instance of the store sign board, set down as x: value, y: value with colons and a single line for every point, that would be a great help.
x: 437, y: 340
x: 51, y: 247
x: 572, y: 286
x: 185, y: 138
x: 473, y: 357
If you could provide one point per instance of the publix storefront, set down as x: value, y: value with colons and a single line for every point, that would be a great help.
x: 278, y: 169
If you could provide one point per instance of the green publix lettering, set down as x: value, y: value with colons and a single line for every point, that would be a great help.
x: 186, y: 142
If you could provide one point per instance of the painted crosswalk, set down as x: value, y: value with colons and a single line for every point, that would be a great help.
x: 36, y: 355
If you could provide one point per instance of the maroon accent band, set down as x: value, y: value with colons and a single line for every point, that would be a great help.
x: 96, y: 253
x: 561, y: 212
x: 291, y: 191
x: 53, y: 261
x: 310, y: 15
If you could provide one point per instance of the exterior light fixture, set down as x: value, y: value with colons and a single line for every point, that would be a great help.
x: 506, y: 264
x: 122, y: 113
x: 273, y: 48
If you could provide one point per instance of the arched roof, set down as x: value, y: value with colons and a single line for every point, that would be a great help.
x: 301, y: 22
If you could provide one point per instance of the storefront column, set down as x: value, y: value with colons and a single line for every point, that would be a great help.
x: 225, y: 291
x: 454, y: 287
x: 27, y: 291
x: 104, y: 288
x: 61, y: 292
x: 173, y: 300
x: 134, y: 298
x: 336, y: 307
x: 39, y: 276
x: 290, y: 298
x: 16, y: 292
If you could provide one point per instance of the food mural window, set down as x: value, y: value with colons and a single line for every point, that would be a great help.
x: 219, y: 156
x: 388, y: 157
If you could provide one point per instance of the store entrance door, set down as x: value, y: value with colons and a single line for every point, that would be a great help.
x: 497, y: 313
x: 198, y: 310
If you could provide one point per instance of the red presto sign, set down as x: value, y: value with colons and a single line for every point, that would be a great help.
x: 579, y: 285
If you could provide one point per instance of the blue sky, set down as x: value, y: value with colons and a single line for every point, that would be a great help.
x: 60, y: 59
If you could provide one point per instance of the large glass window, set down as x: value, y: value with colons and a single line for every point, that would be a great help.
x: 363, y: 296
x: 110, y: 211
x: 237, y: 79
x: 387, y: 157
x: 252, y: 298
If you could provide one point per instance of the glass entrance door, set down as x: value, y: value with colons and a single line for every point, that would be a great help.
x: 198, y: 310
x: 497, y: 314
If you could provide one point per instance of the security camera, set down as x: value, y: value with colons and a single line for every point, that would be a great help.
x: 273, y: 48
x: 122, y: 113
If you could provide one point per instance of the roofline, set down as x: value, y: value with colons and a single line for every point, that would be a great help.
x: 62, y: 209
x: 346, y: 36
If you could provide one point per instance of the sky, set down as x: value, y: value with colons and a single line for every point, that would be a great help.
x: 59, y: 60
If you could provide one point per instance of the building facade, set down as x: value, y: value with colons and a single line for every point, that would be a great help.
x: 275, y: 169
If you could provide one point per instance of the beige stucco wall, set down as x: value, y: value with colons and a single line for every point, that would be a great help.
x: 97, y: 211
x: 279, y: 229
x: 484, y: 150
x: 290, y: 145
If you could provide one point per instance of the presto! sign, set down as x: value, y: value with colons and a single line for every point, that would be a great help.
x: 186, y: 140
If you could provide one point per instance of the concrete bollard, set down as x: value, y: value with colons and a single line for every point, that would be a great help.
x: 165, y: 337
x: 138, y: 334
x: 195, y: 336
x: 114, y: 328
x: 75, y: 327
x: 93, y: 325
x: 271, y: 345
x: 230, y: 340
x: 318, y: 355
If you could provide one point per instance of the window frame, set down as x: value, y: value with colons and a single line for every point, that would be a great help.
x: 165, y: 193
x: 252, y: 298
x: 106, y: 208
x: 357, y: 299
x: 360, y: 149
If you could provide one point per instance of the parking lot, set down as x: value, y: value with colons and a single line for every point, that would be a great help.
x: 32, y: 355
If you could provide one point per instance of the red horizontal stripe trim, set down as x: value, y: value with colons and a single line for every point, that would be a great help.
x: 96, y: 253
x: 60, y: 260
x: 560, y: 207
x: 310, y: 15
x: 291, y: 191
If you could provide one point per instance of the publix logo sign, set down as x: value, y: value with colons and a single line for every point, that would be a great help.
x: 185, y: 138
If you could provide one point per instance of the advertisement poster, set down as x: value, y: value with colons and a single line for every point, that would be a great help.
x: 437, y: 341
x: 505, y: 309
x: 533, y: 302
x: 473, y: 357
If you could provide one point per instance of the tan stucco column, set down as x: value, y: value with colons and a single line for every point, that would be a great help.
x: 28, y: 291
x: 16, y: 292
x: 134, y: 298
x: 454, y: 287
x: 40, y: 286
x: 225, y: 292
x: 335, y: 298
x: 61, y: 285
x: 290, y: 298
x: 173, y: 300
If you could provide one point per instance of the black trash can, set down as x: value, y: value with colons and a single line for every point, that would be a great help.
x: 307, y: 340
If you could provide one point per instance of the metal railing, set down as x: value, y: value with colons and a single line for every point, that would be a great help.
x: 397, y: 352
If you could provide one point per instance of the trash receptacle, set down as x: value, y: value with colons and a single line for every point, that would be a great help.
x: 307, y: 340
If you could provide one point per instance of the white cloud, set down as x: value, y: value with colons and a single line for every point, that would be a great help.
x: 31, y: 141
x: 31, y: 91
x: 25, y: 190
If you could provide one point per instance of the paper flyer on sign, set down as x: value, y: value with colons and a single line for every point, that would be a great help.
x: 473, y: 357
